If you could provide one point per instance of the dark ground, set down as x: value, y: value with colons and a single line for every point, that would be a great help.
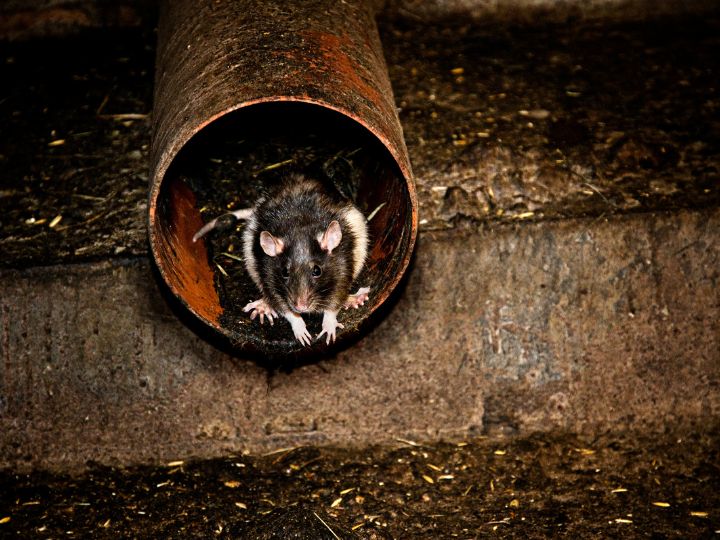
x: 503, y: 124
x: 537, y: 487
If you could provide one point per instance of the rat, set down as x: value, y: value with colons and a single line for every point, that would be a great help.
x: 303, y: 244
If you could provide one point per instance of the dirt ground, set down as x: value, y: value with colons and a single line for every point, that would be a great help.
x: 503, y: 123
x: 542, y: 486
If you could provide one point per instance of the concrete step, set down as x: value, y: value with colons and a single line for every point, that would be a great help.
x: 578, y: 325
x: 565, y: 277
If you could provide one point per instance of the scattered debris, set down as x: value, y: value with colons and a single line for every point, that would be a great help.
x: 391, y: 496
x: 374, y: 212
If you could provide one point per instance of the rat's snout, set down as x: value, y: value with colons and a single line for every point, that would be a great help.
x: 302, y: 302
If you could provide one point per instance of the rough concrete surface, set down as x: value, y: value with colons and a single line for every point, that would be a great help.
x: 23, y: 19
x: 531, y: 10
x: 579, y: 325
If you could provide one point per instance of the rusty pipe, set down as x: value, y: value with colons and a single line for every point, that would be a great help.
x: 225, y: 65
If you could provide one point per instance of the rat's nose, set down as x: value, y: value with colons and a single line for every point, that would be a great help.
x: 302, y: 305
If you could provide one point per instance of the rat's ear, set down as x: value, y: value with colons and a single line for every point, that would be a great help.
x: 270, y: 245
x: 330, y: 239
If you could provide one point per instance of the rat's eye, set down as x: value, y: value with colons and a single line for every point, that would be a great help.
x: 316, y: 271
x: 285, y: 272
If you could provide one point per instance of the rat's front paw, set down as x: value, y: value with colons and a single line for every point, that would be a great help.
x: 262, y: 308
x: 358, y: 299
x: 329, y: 326
x: 299, y: 328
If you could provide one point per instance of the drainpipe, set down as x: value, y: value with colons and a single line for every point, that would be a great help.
x: 261, y: 68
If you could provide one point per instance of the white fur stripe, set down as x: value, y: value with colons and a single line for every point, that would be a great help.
x: 248, y: 237
x: 358, y: 225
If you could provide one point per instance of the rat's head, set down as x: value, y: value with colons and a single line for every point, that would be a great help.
x: 308, y: 271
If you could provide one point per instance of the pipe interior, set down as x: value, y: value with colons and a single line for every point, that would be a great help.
x: 225, y: 167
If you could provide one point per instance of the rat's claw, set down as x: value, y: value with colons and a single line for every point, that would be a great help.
x: 262, y: 308
x: 298, y: 327
x: 330, y: 336
x: 329, y: 327
x: 304, y: 337
x: 358, y: 299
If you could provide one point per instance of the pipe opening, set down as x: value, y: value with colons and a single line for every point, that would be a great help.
x: 226, y: 166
